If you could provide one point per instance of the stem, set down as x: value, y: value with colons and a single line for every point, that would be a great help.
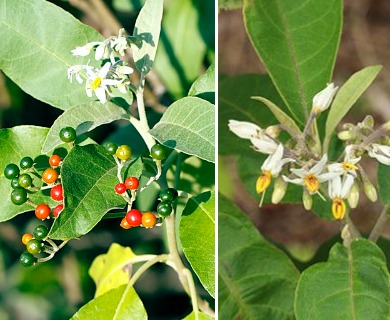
x: 380, y: 223
x: 141, y: 109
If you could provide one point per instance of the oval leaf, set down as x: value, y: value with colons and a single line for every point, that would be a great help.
x: 16, y: 143
x: 204, y: 86
x: 348, y: 94
x: 83, y: 118
x: 108, y: 270
x: 197, y: 237
x: 147, y: 28
x: 188, y: 126
x: 256, y: 280
x: 89, y: 175
x: 44, y: 39
x: 121, y: 303
x: 297, y: 41
x: 352, y: 284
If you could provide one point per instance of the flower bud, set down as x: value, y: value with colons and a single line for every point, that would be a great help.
x: 273, y: 131
x: 307, y: 200
x: 244, y: 130
x: 353, y: 197
x: 280, y: 188
x: 323, y: 99
x: 386, y: 126
x: 346, y: 135
x: 369, y: 190
x: 368, y: 122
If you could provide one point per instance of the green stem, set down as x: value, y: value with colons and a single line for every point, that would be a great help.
x: 141, y: 109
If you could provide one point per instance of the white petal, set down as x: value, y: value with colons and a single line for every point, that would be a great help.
x: 111, y: 82
x: 347, y: 185
x: 89, y: 92
x: 78, y: 78
x: 381, y: 158
x: 328, y: 176
x: 99, y: 53
x: 103, y: 71
x: 294, y: 181
x: 299, y: 172
x: 335, y: 167
x: 317, y: 169
x: 322, y: 99
x: 243, y: 129
x: 266, y: 146
x: 101, y: 95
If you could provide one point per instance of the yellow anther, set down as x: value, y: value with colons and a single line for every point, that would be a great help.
x: 338, y: 208
x: 96, y: 83
x: 263, y: 181
x: 349, y: 166
x: 311, y: 183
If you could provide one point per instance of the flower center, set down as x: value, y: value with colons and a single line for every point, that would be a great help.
x: 349, y: 166
x: 263, y: 181
x: 338, y: 208
x: 96, y: 83
x: 311, y: 183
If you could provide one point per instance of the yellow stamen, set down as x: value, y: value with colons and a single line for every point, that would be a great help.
x: 311, y: 183
x: 263, y: 181
x: 96, y: 83
x: 349, y: 166
x: 338, y: 208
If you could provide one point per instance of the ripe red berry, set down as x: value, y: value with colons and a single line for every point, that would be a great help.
x: 120, y: 188
x: 42, y: 211
x: 132, y: 183
x: 55, y: 160
x: 134, y: 218
x: 56, y: 193
x: 57, y: 210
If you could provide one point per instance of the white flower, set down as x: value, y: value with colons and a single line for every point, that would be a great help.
x: 322, y: 99
x: 97, y: 83
x: 75, y: 71
x: 244, y: 130
x: 84, y: 50
x: 348, y: 166
x: 270, y: 169
x: 338, y: 190
x: 381, y: 153
x: 312, y: 178
x: 264, y: 144
x: 120, y: 45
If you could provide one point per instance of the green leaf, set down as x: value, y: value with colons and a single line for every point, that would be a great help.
x: 108, y: 270
x: 229, y: 4
x: 197, y: 237
x: 204, y: 86
x: 348, y: 94
x: 117, y: 304
x: 234, y: 98
x: 147, y: 28
x: 201, y: 316
x: 384, y: 183
x: 297, y: 41
x: 182, y: 48
x: 41, y: 34
x: 288, y: 124
x: 16, y: 143
x: 83, y: 118
x: 89, y: 175
x: 256, y: 280
x: 352, y: 284
x: 188, y: 126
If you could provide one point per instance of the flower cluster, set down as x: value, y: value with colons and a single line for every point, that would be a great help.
x: 338, y: 181
x: 113, y: 73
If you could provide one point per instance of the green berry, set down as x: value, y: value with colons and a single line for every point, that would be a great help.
x: 27, y: 259
x: 25, y: 180
x: 40, y: 232
x: 123, y: 152
x: 164, y: 208
x: 158, y: 152
x: 168, y: 195
x: 15, y: 183
x: 68, y: 134
x: 34, y: 246
x: 11, y: 171
x: 110, y: 147
x: 18, y: 196
x: 26, y: 163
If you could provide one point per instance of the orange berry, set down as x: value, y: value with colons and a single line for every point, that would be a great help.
x: 125, y: 224
x: 50, y: 176
x: 149, y: 220
x: 26, y: 238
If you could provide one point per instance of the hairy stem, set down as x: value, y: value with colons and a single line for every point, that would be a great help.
x: 380, y: 223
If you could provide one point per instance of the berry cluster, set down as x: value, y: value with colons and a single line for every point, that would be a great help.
x: 34, y: 244
x: 167, y: 196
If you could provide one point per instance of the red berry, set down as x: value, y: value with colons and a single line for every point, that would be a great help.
x: 125, y: 224
x: 57, y: 210
x: 56, y: 193
x: 49, y: 175
x: 120, y: 188
x: 42, y: 211
x: 134, y: 218
x: 132, y: 183
x: 55, y: 160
